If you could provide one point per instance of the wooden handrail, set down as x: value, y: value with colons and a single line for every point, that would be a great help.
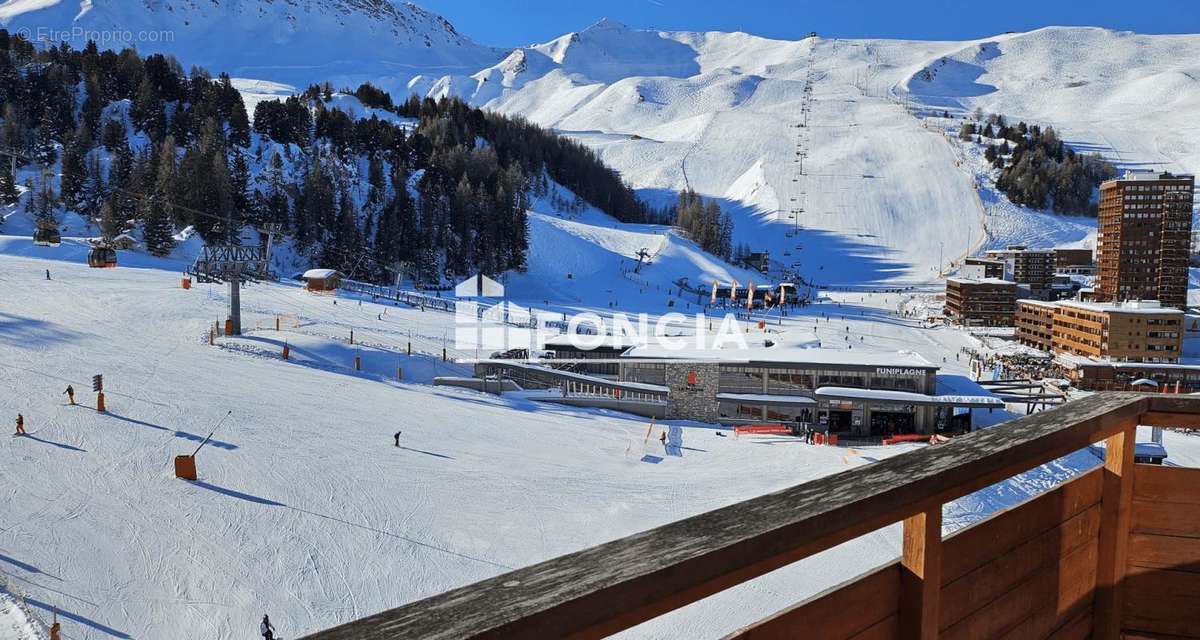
x: 619, y: 584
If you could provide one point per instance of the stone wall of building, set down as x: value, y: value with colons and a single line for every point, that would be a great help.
x: 693, y: 401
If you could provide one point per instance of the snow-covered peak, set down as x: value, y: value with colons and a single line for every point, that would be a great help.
x: 607, y: 24
x: 292, y: 41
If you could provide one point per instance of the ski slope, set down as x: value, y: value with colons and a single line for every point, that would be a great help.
x: 305, y: 509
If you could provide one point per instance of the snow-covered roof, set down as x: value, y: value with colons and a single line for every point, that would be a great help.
x: 1038, y: 303
x: 1151, y: 307
x: 785, y: 354
x: 980, y: 281
x: 319, y: 274
x: 909, y: 397
x: 1070, y: 359
x: 765, y: 398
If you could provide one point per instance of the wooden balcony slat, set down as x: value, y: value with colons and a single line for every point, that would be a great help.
x: 979, y: 544
x: 1161, y: 601
x: 1165, y: 552
x: 613, y: 586
x: 1167, y: 518
x: 873, y: 598
x: 1066, y: 585
x: 977, y: 590
x: 1167, y: 485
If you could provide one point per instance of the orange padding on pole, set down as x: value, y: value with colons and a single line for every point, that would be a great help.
x: 185, y: 467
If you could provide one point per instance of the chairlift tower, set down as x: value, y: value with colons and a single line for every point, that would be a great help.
x: 237, y: 265
x: 643, y: 256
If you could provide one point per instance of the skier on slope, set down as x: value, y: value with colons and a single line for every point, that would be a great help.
x: 266, y: 629
x: 70, y: 394
x: 20, y: 425
x: 397, y: 437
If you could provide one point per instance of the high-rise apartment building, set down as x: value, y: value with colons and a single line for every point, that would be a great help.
x: 1144, y: 238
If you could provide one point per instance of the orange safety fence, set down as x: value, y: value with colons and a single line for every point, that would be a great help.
x: 909, y: 437
x: 761, y: 428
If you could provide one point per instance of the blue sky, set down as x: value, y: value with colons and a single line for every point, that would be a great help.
x: 519, y: 22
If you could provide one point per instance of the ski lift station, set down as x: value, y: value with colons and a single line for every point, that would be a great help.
x: 786, y: 380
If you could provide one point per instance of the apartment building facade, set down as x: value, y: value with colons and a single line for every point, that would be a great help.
x: 1144, y: 239
x: 985, y: 302
x: 1143, y: 331
x: 1034, y: 321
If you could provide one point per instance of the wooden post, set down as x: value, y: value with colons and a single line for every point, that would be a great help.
x: 352, y: 336
x: 399, y: 374
x: 277, y: 323
x: 211, y: 337
x: 921, y: 575
x: 410, y: 347
x: 443, y: 354
x: 357, y: 362
x: 1116, y: 505
x: 286, y: 351
x: 100, y: 402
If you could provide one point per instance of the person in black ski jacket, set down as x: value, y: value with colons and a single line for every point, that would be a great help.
x: 266, y: 629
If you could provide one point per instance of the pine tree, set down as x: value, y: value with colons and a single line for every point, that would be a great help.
x: 9, y: 195
x: 157, y: 229
x: 45, y: 151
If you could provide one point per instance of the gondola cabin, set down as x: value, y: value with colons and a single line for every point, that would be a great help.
x: 46, y: 234
x: 102, y: 257
x: 322, y: 280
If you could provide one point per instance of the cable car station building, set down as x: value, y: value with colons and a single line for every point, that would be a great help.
x: 858, y: 394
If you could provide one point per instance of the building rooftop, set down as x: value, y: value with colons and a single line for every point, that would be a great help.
x: 980, y: 281
x: 1150, y: 307
x: 786, y: 354
x: 1131, y: 175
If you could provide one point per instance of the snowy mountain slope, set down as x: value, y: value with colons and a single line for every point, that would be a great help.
x: 294, y: 41
x: 885, y: 198
x: 1132, y: 97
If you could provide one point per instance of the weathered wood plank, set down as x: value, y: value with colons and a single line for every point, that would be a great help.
x: 1162, y: 602
x: 1167, y: 518
x: 1009, y: 568
x: 1165, y: 552
x: 979, y: 544
x: 921, y: 575
x: 613, y: 586
x: 1116, y: 510
x: 872, y: 598
x: 1173, y: 485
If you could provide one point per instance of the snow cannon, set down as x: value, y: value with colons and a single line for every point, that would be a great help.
x: 185, y: 466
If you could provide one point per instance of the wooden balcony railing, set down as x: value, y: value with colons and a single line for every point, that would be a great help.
x: 1112, y: 552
